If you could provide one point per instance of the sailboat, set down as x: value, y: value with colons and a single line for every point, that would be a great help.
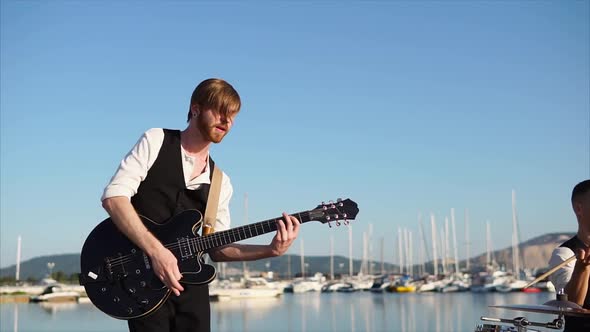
x: 457, y: 281
x: 490, y: 280
x: 431, y: 284
x: 405, y: 282
x: 362, y: 280
x: 305, y: 284
x: 515, y: 283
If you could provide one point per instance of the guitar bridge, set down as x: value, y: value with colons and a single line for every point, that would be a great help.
x: 115, y: 268
x: 108, y: 269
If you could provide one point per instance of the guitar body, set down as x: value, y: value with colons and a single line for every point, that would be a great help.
x: 118, y: 276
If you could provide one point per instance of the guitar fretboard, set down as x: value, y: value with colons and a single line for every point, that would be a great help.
x: 222, y: 238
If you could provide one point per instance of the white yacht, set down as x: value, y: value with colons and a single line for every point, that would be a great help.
x: 303, y: 285
x: 247, y: 288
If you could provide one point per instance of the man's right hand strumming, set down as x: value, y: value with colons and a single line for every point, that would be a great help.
x: 163, y: 261
x: 165, y: 267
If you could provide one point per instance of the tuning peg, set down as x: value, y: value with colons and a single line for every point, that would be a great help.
x: 338, y: 223
x: 346, y: 222
x: 328, y: 217
x: 339, y: 200
x: 330, y: 224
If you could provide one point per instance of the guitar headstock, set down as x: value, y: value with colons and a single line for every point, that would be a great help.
x: 339, y: 211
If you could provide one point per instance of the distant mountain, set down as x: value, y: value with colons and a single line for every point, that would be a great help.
x: 536, y: 253
x: 36, y: 268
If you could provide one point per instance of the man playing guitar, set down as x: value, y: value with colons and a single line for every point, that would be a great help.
x: 169, y: 171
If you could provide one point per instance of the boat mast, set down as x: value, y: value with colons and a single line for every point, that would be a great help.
x: 410, y: 254
x: 400, y: 253
x: 443, y: 250
x: 350, y: 250
x: 331, y: 257
x: 515, y: 249
x: 434, y: 257
x: 18, y: 245
x: 467, y: 243
x: 302, y: 260
x: 422, y: 246
x: 405, y: 248
x: 370, y: 245
x: 447, y: 246
x: 382, y: 262
x: 363, y: 270
x: 488, y: 245
x: 456, y: 254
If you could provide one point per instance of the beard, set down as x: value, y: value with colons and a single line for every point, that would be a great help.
x: 209, y: 131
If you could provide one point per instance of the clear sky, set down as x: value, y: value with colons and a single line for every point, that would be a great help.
x: 404, y: 107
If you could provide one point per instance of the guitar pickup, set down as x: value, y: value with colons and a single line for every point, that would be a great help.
x: 88, y: 278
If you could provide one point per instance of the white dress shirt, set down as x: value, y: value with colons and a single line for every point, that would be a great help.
x: 136, y: 164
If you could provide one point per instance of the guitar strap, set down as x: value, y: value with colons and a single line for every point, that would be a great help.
x: 212, y: 202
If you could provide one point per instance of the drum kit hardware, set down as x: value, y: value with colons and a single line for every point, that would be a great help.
x: 520, y: 324
x: 560, y: 307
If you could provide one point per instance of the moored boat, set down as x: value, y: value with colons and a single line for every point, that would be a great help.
x: 56, y: 293
x: 402, y: 289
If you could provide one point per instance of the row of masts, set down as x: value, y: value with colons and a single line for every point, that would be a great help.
x: 405, y: 247
x: 444, y: 243
x: 440, y: 242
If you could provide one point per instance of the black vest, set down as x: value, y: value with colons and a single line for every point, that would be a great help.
x: 163, y: 194
x: 577, y: 323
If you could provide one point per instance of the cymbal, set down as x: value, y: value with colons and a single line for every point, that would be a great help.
x: 563, y: 304
x: 561, y: 309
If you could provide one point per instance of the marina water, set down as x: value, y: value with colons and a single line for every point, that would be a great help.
x: 307, y: 312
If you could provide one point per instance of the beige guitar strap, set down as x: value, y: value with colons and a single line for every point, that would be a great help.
x: 212, y: 202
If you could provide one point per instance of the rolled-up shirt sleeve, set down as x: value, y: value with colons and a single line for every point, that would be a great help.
x: 134, y: 167
x: 223, y: 217
x: 561, y: 277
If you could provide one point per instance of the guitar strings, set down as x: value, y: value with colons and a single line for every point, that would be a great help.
x: 210, y: 239
x: 202, y: 241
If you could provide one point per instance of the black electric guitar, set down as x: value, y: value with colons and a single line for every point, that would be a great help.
x: 118, y: 276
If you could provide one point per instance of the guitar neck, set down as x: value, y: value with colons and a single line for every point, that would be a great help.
x: 222, y: 238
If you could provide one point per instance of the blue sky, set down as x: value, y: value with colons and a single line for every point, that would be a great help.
x: 404, y: 107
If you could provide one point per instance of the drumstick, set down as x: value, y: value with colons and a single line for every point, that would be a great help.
x: 555, y: 268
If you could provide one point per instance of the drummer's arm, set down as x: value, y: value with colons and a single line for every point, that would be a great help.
x: 577, y: 287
